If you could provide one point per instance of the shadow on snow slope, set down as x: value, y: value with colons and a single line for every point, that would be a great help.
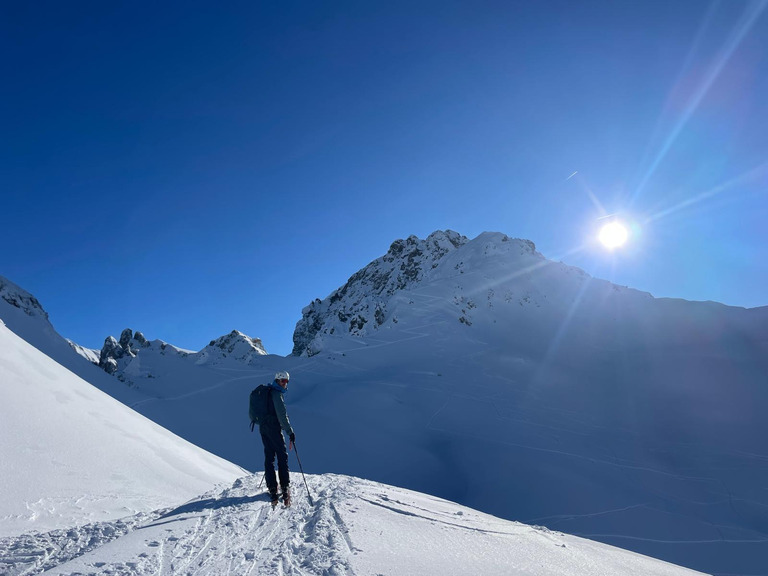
x: 356, y: 527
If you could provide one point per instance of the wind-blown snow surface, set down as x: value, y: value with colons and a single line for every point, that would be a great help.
x: 71, y: 454
x: 355, y: 527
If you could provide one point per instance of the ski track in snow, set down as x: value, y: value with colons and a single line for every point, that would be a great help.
x: 356, y: 527
x: 232, y: 533
x: 196, y: 392
x: 35, y: 552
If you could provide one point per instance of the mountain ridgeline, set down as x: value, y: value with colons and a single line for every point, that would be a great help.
x: 482, y: 372
x: 117, y: 356
x: 369, y: 299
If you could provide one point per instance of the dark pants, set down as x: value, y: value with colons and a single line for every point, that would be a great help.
x: 274, y: 445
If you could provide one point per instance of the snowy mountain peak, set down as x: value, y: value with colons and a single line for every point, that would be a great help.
x: 371, y: 297
x: 21, y: 299
x: 236, y: 345
x: 361, y: 304
x: 503, y: 243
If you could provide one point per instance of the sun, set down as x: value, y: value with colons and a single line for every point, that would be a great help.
x: 613, y: 235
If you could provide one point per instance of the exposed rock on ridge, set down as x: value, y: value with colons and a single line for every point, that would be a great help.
x: 127, y: 347
x: 361, y: 304
x: 132, y: 357
x: 235, y: 344
x: 21, y: 299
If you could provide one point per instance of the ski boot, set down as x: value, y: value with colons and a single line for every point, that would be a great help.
x: 273, y: 498
x: 286, y: 497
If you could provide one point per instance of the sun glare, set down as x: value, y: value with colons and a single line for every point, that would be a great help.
x: 613, y: 235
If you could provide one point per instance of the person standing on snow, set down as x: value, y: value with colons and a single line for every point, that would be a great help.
x: 271, y: 428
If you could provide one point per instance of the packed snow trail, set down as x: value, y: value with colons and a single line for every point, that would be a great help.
x: 355, y: 528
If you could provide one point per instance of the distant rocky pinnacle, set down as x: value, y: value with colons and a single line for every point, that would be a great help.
x: 361, y: 304
x: 116, y: 355
x: 113, y: 350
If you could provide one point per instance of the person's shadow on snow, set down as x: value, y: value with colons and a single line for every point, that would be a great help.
x: 198, y: 506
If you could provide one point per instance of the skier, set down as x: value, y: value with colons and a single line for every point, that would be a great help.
x: 271, y: 427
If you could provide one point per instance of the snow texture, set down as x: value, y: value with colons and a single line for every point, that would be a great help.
x: 355, y: 527
x: 72, y: 454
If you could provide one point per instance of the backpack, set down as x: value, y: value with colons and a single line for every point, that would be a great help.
x: 258, y: 408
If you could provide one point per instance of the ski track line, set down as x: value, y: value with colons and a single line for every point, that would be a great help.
x: 200, y: 534
x: 362, y: 346
x: 267, y: 538
x: 560, y: 517
x: 219, y: 384
x: 342, y: 528
x: 655, y: 541
x: 433, y: 520
x: 593, y: 459
x: 32, y: 553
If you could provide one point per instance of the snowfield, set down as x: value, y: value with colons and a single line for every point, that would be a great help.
x: 71, y: 454
x: 355, y: 527
x: 88, y: 486
x: 476, y: 371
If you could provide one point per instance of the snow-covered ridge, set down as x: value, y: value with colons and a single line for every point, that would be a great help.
x: 23, y: 314
x: 128, y: 357
x: 360, y: 305
x: 370, y: 299
x: 117, y: 355
x: 90, y: 354
x: 21, y: 299
x: 235, y: 344
x: 71, y: 454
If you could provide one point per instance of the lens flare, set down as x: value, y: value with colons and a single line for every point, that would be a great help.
x: 613, y: 235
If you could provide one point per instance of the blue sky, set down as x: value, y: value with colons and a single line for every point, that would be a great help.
x: 186, y: 169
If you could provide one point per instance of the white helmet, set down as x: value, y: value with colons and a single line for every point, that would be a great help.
x: 282, y: 376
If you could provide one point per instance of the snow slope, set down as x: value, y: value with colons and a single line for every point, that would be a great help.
x: 483, y: 373
x: 71, y: 454
x: 355, y: 527
x: 25, y: 316
x: 87, y: 486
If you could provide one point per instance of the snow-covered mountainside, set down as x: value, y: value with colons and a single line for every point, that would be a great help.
x: 87, y: 486
x: 71, y: 454
x: 235, y: 345
x: 354, y: 527
x: 90, y: 354
x: 21, y: 300
x: 362, y: 305
x: 121, y: 357
x: 25, y: 316
x: 515, y: 385
x: 117, y: 356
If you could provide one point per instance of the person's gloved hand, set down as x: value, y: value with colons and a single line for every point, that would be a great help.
x: 292, y: 437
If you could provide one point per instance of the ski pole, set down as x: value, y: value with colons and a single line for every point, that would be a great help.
x: 302, y: 473
x: 262, y: 480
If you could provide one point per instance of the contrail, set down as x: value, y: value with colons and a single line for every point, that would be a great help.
x: 572, y: 175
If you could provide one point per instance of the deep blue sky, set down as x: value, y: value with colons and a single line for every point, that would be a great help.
x: 186, y: 169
